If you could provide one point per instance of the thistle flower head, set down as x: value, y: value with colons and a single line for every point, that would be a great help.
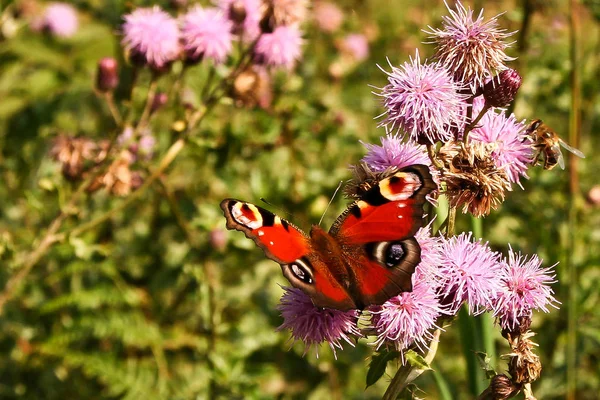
x: 152, y: 37
x: 245, y: 15
x: 206, y: 32
x: 525, y: 287
x: 281, y: 48
x: 473, y: 179
x: 512, y: 151
x: 407, y: 319
x: 429, y: 270
x: 59, y: 19
x: 289, y: 12
x: 393, y: 153
x: 423, y: 101
x: 473, y: 274
x: 313, y: 325
x: 107, y: 76
x: 355, y: 46
x: 472, y: 48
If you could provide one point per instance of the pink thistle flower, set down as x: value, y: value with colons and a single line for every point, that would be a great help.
x: 408, y: 318
x: 429, y: 270
x: 525, y: 287
x: 281, y: 48
x: 59, y: 19
x: 152, y: 37
x: 314, y: 325
x: 245, y: 14
x: 328, y: 16
x: 394, y: 153
x: 512, y: 148
x: 356, y: 46
x: 206, y: 33
x: 473, y: 49
x: 473, y: 274
x: 423, y: 100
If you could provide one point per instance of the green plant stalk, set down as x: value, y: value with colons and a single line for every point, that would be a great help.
x: 574, y: 126
x: 471, y: 341
x: 442, y: 385
x: 485, y: 321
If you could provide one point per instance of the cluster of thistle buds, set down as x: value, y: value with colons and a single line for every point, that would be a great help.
x: 446, y: 114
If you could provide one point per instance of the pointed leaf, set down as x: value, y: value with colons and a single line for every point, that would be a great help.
x: 378, y: 365
x: 416, y: 360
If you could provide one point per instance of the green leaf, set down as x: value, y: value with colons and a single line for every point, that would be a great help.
x: 378, y: 365
x: 416, y: 360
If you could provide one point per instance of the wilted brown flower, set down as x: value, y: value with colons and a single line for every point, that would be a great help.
x: 472, y: 178
x: 119, y: 179
x: 502, y: 387
x: 72, y: 153
x: 252, y: 87
x: 287, y: 12
x: 524, y: 365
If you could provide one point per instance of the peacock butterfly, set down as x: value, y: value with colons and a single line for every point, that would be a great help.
x: 368, y: 255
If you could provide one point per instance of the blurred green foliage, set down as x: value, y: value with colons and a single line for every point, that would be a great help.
x: 145, y: 305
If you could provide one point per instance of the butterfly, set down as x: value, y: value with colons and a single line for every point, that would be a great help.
x: 368, y: 255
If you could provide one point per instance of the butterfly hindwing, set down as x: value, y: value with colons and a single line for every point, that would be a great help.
x: 291, y: 248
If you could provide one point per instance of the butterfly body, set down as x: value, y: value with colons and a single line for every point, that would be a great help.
x: 368, y: 255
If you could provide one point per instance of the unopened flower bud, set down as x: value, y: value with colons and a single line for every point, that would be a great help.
x: 502, y: 387
x: 593, y: 196
x: 179, y: 4
x: 237, y: 11
x: 107, y: 77
x: 502, y: 89
x: 160, y: 99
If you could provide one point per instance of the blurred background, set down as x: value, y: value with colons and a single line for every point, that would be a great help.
x: 148, y: 296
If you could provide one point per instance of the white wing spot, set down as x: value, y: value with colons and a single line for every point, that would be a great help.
x: 400, y: 216
x: 271, y: 243
x: 260, y: 233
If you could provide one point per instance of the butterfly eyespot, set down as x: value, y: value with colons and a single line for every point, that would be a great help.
x: 301, y: 270
x: 388, y: 254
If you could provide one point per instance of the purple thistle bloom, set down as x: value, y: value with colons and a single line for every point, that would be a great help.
x: 407, y: 318
x: 423, y: 100
x: 394, y: 153
x: 429, y: 271
x: 474, y: 274
x: 245, y: 14
x: 473, y: 49
x: 59, y: 19
x: 281, y: 48
x: 356, y: 46
x: 206, y: 33
x: 152, y: 37
x: 513, y: 152
x: 314, y: 325
x: 525, y: 287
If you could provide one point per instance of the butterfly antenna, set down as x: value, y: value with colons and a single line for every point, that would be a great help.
x: 330, y: 201
x: 279, y: 209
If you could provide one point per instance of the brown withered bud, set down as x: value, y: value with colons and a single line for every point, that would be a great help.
x: 503, y: 388
x: 252, y: 87
x: 267, y: 22
x: 72, y: 153
x: 160, y: 99
x: 178, y: 4
x: 107, y: 76
x: 524, y: 365
x: 502, y: 89
x: 237, y: 11
x: 522, y: 326
x: 118, y: 179
x: 288, y: 12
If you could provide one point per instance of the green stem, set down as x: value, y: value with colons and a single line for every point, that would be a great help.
x: 451, y: 221
x: 145, y: 117
x: 112, y: 107
x: 473, y: 123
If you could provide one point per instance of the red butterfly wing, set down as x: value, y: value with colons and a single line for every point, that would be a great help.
x: 376, y: 234
x: 291, y: 248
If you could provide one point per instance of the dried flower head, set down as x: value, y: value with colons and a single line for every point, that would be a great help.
x: 407, y: 319
x: 525, y: 287
x: 511, y: 149
x: 118, y: 179
x: 473, y: 274
x: 72, y: 153
x: 473, y: 179
x: 151, y: 36
x: 281, y: 48
x: 524, y: 365
x: 423, y: 100
x: 288, y: 12
x: 252, y: 87
x: 206, y: 33
x: 502, y: 387
x: 313, y: 325
x: 473, y: 49
x: 59, y: 19
x: 328, y: 16
x: 245, y: 15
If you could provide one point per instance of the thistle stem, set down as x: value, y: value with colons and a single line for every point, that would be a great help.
x: 473, y: 123
x: 112, y: 107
